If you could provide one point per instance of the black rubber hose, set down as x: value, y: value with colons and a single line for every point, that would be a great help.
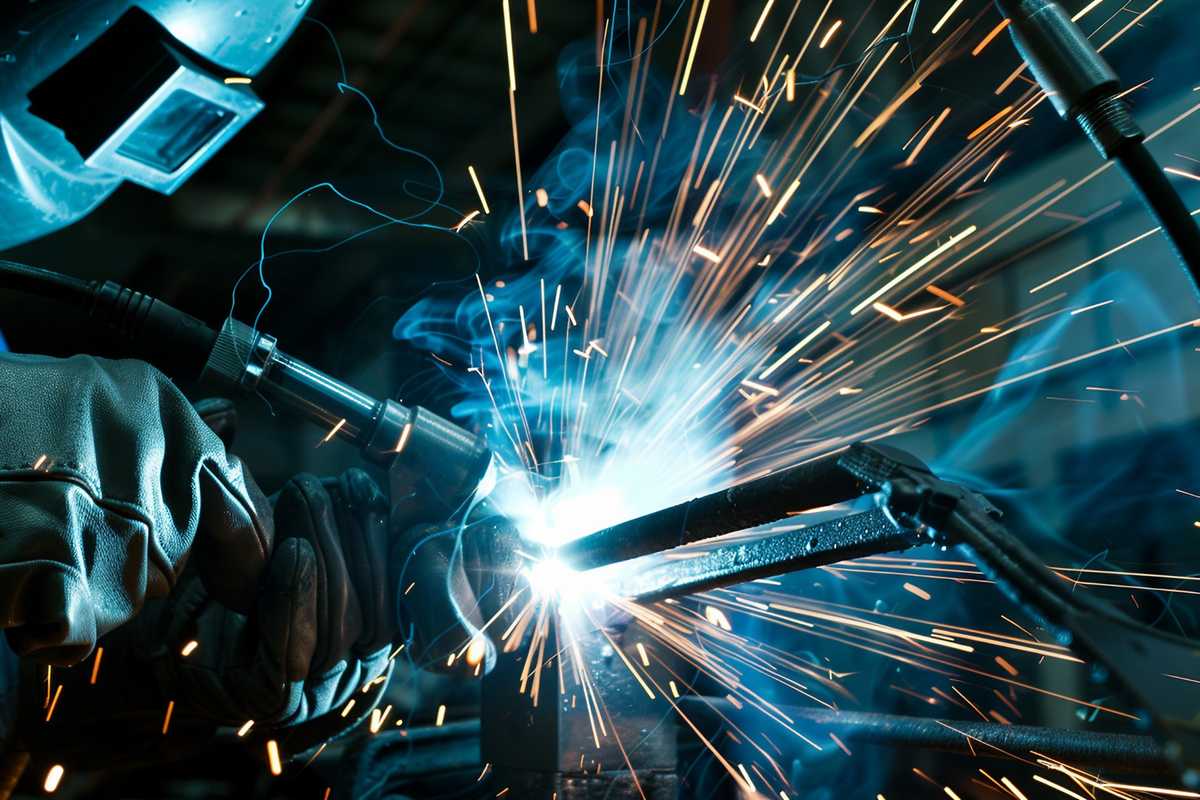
x: 175, y: 342
x: 1164, y: 203
x: 1122, y: 753
x: 44, y: 283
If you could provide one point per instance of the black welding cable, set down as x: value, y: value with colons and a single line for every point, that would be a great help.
x: 173, y: 341
x: 1083, y: 88
x: 1164, y: 203
x: 43, y: 282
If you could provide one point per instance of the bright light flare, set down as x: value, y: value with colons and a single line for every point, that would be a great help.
x: 551, y: 578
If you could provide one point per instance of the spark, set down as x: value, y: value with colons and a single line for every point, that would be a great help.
x: 531, y: 8
x: 462, y: 223
x: 790, y: 307
x: 441, y: 716
x: 761, y: 19
x: 245, y: 729
x: 96, y: 666
x: 1012, y: 787
x: 794, y: 350
x: 1181, y: 173
x: 903, y: 276
x: 1055, y: 786
x: 749, y: 104
x: 917, y: 590
x: 189, y: 648
x: 758, y: 387
x: 829, y: 33
x: 940, y: 23
x: 236, y: 80
x: 763, y: 185
x: 942, y: 294
x: 996, y: 164
x: 38, y: 464
x: 54, y: 777
x: 341, y: 423
x: 1091, y: 307
x: 378, y: 718
x: 167, y: 717
x: 992, y: 34
x: 1085, y: 10
x: 405, y: 432
x: 508, y: 46
x: 746, y: 777
x: 476, y: 651
x: 707, y: 254
x: 54, y: 702
x: 542, y: 197
x: 869, y: 210
x: 999, y: 115
x: 273, y: 761
x: 687, y: 71
x: 783, y: 201
x: 479, y: 187
x: 888, y: 311
x: 937, y: 123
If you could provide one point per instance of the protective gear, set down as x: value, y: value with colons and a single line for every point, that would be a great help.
x: 107, y: 476
x: 95, y: 93
x: 318, y: 636
x: 467, y: 578
x: 320, y: 631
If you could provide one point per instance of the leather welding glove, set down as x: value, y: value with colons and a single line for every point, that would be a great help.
x: 309, y: 662
x: 107, y: 478
x: 322, y: 628
x: 458, y: 584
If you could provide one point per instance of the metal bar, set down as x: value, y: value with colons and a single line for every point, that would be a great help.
x: 767, y: 499
x: 854, y: 536
x: 1115, y: 752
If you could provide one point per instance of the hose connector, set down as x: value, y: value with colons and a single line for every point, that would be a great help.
x: 1065, y: 64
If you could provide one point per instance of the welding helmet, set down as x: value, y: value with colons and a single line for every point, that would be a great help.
x: 96, y: 92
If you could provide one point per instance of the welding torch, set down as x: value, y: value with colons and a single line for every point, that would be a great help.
x: 912, y: 507
x: 434, y: 466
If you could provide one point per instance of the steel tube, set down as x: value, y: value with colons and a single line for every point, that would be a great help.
x: 773, y: 497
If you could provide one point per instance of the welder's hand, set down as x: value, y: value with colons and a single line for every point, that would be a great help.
x: 107, y: 477
x: 457, y: 584
x: 322, y: 628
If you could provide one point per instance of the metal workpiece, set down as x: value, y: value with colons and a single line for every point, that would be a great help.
x: 770, y: 553
x: 1121, y: 753
x: 773, y: 497
x: 548, y: 744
